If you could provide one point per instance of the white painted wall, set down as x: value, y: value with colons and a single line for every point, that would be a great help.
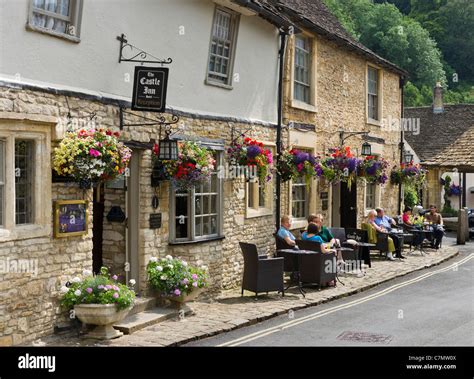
x: 153, y: 25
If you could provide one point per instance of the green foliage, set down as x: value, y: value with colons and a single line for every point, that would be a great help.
x: 174, y: 277
x: 99, y: 289
x: 410, y: 196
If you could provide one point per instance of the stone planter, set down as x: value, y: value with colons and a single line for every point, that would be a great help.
x: 104, y: 316
x: 180, y: 302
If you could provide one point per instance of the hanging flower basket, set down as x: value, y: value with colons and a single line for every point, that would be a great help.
x: 373, y: 169
x: 454, y: 190
x: 252, y: 154
x: 340, y: 166
x: 298, y: 164
x: 91, y: 156
x: 408, y: 174
x: 193, y: 167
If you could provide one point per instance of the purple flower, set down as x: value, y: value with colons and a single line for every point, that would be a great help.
x: 195, y: 284
x: 115, y: 288
x: 177, y: 292
x: 89, y: 290
x: 115, y: 295
x: 185, y: 281
x: 100, y: 286
x: 115, y: 277
x: 194, y: 276
x: 108, y: 286
x: 253, y: 151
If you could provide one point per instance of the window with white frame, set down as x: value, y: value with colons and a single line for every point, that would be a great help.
x: 2, y: 180
x: 373, y: 93
x: 303, y: 64
x: 196, y: 213
x: 59, y: 17
x: 370, y: 196
x: 259, y: 196
x: 25, y: 179
x: 299, y: 199
x: 221, y: 53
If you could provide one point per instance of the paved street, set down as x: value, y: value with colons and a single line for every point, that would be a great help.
x: 439, y: 299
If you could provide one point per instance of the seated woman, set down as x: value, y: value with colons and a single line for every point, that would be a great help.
x: 312, y: 235
x: 371, y: 222
x: 407, y: 212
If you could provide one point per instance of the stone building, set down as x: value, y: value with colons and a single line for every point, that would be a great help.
x: 65, y: 73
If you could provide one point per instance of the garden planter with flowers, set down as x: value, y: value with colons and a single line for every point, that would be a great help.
x: 98, y: 300
x: 373, y: 169
x: 193, y: 167
x: 340, y: 166
x: 173, y: 279
x: 252, y: 154
x: 408, y: 174
x: 91, y: 156
x: 298, y: 164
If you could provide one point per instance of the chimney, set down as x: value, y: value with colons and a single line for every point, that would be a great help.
x: 438, y: 99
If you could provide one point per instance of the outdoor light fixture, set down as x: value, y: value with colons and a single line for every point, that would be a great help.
x: 408, y: 158
x: 366, y: 149
x: 168, y: 148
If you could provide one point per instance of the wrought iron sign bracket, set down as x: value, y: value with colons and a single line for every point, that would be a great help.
x: 138, y: 55
x: 160, y: 120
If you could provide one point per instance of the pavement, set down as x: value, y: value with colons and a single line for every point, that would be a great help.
x: 230, y: 311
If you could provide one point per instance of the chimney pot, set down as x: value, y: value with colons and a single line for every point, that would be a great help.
x: 438, y: 106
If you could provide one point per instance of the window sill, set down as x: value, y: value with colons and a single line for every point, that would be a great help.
x: 219, y: 238
x: 253, y: 213
x: 303, y: 106
x: 66, y: 37
x: 374, y: 122
x: 24, y: 232
x: 218, y: 84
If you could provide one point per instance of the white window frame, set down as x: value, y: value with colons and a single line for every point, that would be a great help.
x: 376, y: 197
x: 17, y: 126
x: 73, y: 20
x: 311, y: 106
x: 233, y: 30
x: 255, y: 189
x: 191, y: 211
x: 379, y: 95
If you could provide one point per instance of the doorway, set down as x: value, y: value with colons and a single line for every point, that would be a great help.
x: 133, y: 217
x: 348, y: 208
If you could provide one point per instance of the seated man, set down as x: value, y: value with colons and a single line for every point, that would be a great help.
x: 284, y: 231
x: 437, y: 225
x: 385, y: 222
x: 375, y: 228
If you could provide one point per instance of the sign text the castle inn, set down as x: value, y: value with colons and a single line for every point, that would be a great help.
x: 149, y: 89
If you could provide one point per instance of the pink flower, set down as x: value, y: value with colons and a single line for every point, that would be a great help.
x: 115, y: 277
x: 194, y: 276
x: 195, y: 284
x: 177, y: 292
x: 89, y: 290
x: 94, y: 153
x: 115, y: 295
x: 108, y: 286
x: 115, y: 288
x: 100, y: 286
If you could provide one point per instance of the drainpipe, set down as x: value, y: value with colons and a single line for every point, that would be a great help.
x: 279, y: 124
x: 402, y: 144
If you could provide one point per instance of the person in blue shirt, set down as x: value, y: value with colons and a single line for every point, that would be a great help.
x: 386, y: 223
x: 312, y: 235
x: 284, y: 231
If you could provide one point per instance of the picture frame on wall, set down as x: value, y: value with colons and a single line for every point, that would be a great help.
x: 71, y: 218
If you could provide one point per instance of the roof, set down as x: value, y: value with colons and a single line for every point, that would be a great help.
x: 445, y: 139
x: 313, y: 15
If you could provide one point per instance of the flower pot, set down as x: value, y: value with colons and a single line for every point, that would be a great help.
x: 180, y: 302
x: 104, y: 316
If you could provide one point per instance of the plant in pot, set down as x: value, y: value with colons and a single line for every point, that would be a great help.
x: 373, y: 169
x: 91, y: 156
x: 98, y: 300
x: 340, y: 166
x: 173, y: 279
x: 299, y: 164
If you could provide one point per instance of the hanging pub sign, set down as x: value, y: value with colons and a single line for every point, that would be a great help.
x: 149, y: 89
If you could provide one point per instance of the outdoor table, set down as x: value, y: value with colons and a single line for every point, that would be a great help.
x: 428, y: 234
x: 295, y: 275
x: 364, y: 251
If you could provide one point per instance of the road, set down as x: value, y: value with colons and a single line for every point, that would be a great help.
x: 432, y: 307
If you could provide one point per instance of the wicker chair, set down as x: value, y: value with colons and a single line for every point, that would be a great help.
x: 288, y: 261
x: 360, y: 236
x: 261, y: 275
x: 313, y: 267
x: 340, y: 234
x: 382, y: 240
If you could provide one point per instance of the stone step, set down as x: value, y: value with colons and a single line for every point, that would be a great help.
x: 140, y: 320
x: 142, y: 304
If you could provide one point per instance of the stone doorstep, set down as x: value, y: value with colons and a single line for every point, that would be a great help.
x: 142, y: 304
x: 139, y: 320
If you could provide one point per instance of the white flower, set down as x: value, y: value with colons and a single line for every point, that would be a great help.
x: 64, y: 289
x: 77, y: 292
x: 184, y: 263
x: 170, y: 266
x: 86, y: 273
x: 159, y: 268
x: 169, y: 257
x: 76, y: 280
x: 204, y: 268
x: 132, y: 282
x: 153, y: 259
x: 163, y: 277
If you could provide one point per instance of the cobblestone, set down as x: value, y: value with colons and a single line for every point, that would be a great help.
x: 231, y: 311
